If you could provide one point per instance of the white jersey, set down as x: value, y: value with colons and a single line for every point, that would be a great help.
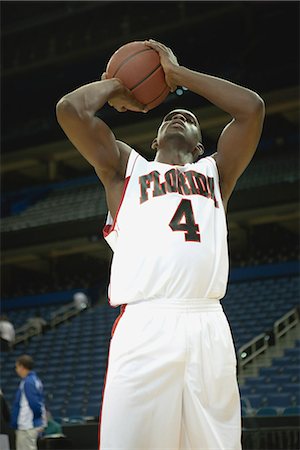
x: 169, y: 236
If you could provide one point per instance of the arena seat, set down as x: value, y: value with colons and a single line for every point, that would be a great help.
x: 278, y: 386
x: 292, y: 411
x: 255, y: 401
x: 267, y: 412
x: 279, y: 400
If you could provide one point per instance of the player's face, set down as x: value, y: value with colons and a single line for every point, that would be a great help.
x: 181, y: 121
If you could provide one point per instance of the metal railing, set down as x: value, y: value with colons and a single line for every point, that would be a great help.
x: 24, y: 333
x: 252, y: 349
x: 285, y: 323
x: 63, y: 314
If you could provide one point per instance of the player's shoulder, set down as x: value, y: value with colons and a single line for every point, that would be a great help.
x: 126, y: 152
x: 131, y: 160
x: 208, y: 163
x: 207, y: 159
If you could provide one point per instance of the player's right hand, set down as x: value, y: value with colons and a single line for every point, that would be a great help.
x: 123, y: 99
x: 168, y: 61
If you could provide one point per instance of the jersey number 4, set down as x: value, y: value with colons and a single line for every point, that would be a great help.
x: 184, y: 220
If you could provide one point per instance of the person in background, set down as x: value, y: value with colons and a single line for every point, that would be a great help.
x: 80, y: 300
x: 4, y: 423
x: 53, y: 427
x: 37, y: 322
x: 28, y: 414
x: 7, y: 333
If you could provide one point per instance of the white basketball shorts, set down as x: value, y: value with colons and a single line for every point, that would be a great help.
x: 171, y: 380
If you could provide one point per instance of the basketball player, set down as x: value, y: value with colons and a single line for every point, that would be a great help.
x: 171, y: 380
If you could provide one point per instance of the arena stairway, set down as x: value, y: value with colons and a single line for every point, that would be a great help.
x: 270, y: 385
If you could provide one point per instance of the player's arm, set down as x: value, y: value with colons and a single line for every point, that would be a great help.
x: 89, y: 134
x: 239, y: 139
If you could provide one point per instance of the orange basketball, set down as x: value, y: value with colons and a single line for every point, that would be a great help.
x: 138, y: 67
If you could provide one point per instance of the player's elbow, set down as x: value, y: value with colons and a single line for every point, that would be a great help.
x: 66, y: 109
x: 256, y: 106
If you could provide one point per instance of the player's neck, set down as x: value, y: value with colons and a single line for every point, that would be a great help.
x: 176, y: 157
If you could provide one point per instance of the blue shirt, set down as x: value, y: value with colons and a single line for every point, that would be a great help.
x: 29, y: 406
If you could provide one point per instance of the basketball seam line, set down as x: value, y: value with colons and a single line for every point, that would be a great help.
x: 128, y: 58
x: 145, y: 78
x: 158, y: 95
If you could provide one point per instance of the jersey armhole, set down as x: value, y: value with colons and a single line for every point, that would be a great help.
x: 111, y: 224
x: 131, y: 162
x: 214, y: 163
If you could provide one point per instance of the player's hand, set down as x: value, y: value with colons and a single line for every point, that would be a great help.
x: 123, y: 99
x: 168, y: 61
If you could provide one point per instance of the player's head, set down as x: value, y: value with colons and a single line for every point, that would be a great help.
x: 183, y: 126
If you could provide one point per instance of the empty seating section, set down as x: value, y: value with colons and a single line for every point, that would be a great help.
x: 61, y: 205
x: 71, y: 358
x: 252, y: 307
x: 267, y: 172
x: 276, y: 390
x: 68, y: 203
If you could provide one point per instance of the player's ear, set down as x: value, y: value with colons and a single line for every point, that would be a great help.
x: 200, y: 148
x: 154, y: 144
x: 198, y: 151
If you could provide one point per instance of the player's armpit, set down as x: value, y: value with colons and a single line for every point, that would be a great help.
x: 237, y: 145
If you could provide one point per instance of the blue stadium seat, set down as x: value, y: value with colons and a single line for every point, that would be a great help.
x: 267, y: 412
x: 278, y: 400
x: 267, y: 388
x: 255, y: 381
x: 283, y: 361
x: 292, y: 411
x: 281, y: 378
x: 270, y: 371
x: 72, y: 410
x: 255, y: 400
x: 291, y: 388
x: 93, y: 410
x: 246, y: 390
x: 55, y: 411
x: 79, y: 383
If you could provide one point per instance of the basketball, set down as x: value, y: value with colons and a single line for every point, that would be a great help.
x: 138, y: 67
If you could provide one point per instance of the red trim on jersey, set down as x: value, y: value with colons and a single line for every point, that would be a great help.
x: 122, y: 310
x: 108, y: 228
x: 209, y: 158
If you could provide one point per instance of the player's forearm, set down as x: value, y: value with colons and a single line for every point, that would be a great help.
x: 231, y: 98
x: 88, y: 99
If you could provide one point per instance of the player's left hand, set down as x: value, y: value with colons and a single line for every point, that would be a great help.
x: 123, y: 100
x: 168, y: 61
